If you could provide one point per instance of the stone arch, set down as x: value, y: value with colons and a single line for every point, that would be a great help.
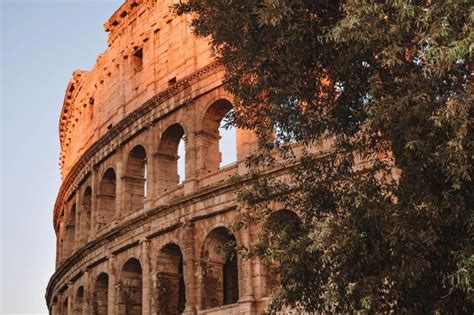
x: 79, y: 301
x: 287, y: 223
x: 210, y: 134
x: 71, y: 231
x: 106, y: 198
x: 135, y: 178
x: 130, y: 288
x: 86, y: 213
x: 219, y: 269
x: 100, y: 295
x: 171, y: 289
x: 167, y: 157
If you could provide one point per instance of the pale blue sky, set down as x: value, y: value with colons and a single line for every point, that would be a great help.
x: 42, y: 42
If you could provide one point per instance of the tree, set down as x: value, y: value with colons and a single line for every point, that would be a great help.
x: 386, y: 209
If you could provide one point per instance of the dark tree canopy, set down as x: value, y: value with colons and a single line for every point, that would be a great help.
x: 387, y: 211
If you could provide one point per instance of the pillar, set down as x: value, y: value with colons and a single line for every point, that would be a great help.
x: 70, y: 298
x: 190, y: 183
x: 246, y: 298
x: 209, y: 153
x: 120, y: 187
x: 189, y: 269
x: 111, y: 305
x: 151, y: 168
x: 146, y: 277
x: 88, y: 289
x: 78, y: 219
x: 191, y: 149
x: 247, y: 144
x: 95, y: 192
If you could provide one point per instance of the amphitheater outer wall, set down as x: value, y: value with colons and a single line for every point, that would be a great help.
x: 131, y: 237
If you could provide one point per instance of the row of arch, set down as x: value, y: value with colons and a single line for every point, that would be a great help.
x: 219, y: 277
x: 169, y: 173
x: 218, y: 273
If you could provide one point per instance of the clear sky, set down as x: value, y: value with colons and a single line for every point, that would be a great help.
x: 42, y: 42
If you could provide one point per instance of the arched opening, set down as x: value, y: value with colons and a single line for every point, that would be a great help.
x: 227, y: 144
x: 106, y: 198
x: 130, y: 289
x: 135, y: 178
x: 181, y: 161
x: 100, y: 295
x: 219, y: 143
x: 79, y: 301
x: 86, y: 214
x: 71, y: 231
x: 171, y: 166
x: 220, y: 284
x: 170, y: 284
x: 280, y: 228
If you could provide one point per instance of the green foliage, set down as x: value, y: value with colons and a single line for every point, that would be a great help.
x: 387, y: 83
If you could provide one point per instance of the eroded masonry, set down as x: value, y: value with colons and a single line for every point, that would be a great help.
x: 132, y: 236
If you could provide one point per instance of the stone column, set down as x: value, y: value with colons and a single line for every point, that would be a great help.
x: 120, y: 193
x: 94, y: 204
x: 246, y: 297
x: 88, y: 289
x: 190, y: 183
x: 189, y: 269
x: 78, y: 219
x: 146, y: 277
x: 190, y: 149
x: 70, y: 298
x: 111, y: 305
x: 247, y: 143
x: 208, y: 156
x: 150, y: 171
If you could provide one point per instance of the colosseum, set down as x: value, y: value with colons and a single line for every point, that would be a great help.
x: 132, y: 236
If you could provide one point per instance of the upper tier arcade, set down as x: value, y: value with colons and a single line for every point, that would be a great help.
x: 150, y: 50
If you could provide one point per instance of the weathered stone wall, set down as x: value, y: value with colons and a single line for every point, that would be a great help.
x: 131, y: 239
x: 149, y: 49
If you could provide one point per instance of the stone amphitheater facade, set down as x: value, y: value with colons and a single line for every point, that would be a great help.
x: 132, y: 238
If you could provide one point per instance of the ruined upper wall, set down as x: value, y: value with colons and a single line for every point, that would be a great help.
x: 150, y: 49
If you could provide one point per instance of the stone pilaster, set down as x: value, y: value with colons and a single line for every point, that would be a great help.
x: 111, y: 304
x: 246, y: 145
x: 191, y: 150
x: 94, y: 204
x: 120, y: 193
x: 78, y: 220
x: 189, y: 267
x: 190, y: 183
x: 70, y: 298
x: 88, y: 289
x: 246, y: 295
x: 208, y: 156
x: 146, y: 277
x: 150, y: 170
